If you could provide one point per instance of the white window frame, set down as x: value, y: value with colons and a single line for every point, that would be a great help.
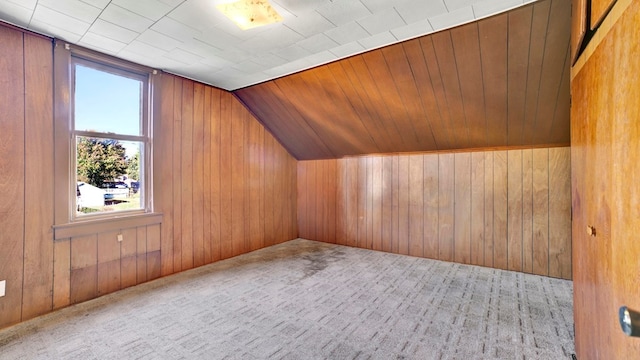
x: 66, y: 56
x: 144, y: 138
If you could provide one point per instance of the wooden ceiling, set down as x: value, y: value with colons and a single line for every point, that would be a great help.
x: 498, y: 82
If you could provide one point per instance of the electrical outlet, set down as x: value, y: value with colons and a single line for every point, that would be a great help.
x: 3, y: 285
x: 119, y: 237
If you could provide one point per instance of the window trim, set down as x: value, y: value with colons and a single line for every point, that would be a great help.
x: 66, y: 56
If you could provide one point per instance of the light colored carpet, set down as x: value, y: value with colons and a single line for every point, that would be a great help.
x: 310, y: 300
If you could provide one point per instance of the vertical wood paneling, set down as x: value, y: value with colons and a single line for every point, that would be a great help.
x: 84, y: 268
x: 167, y: 171
x: 403, y: 205
x: 303, y: 192
x: 387, y: 202
x: 226, y: 248
x: 514, y: 210
x: 331, y: 167
x: 462, y: 205
x: 361, y: 191
x: 395, y: 182
x: 527, y: 211
x: 109, y: 275
x: 197, y: 199
x: 128, y: 258
x: 237, y: 182
x: 431, y: 206
x: 12, y: 168
x: 341, y: 202
x: 61, y: 273
x: 177, y: 173
x: 193, y: 126
x: 493, y: 33
x: 541, y: 211
x: 486, y: 208
x: 559, y: 213
x: 518, y: 55
x: 141, y: 255
x: 38, y: 244
x: 446, y: 207
x: 376, y: 202
x: 207, y: 201
x: 477, y: 188
x: 416, y: 205
x: 186, y: 172
x: 215, y: 173
x: 500, y: 205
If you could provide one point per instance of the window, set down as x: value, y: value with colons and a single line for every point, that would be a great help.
x: 109, y: 131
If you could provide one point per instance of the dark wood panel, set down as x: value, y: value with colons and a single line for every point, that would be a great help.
x: 500, y: 81
x: 38, y: 235
x: 12, y: 182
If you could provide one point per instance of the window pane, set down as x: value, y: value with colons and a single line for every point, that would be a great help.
x: 108, y: 175
x: 106, y: 102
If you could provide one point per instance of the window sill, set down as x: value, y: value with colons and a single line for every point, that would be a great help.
x: 88, y: 227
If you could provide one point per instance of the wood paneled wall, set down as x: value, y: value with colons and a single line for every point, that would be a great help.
x: 226, y: 185
x: 502, y: 81
x: 26, y: 162
x: 605, y: 132
x: 223, y: 185
x: 502, y: 209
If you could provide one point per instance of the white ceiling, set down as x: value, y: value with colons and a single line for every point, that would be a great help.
x: 193, y: 39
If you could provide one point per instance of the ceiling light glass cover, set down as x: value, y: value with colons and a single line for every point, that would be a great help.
x: 249, y: 14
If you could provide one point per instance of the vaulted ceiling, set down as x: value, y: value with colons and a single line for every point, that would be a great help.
x: 498, y: 82
x: 193, y: 39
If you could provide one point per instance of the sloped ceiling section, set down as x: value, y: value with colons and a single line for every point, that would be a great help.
x: 498, y: 82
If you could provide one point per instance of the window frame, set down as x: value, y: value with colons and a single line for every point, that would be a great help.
x: 66, y: 57
x: 143, y: 138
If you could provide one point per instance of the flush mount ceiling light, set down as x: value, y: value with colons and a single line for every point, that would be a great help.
x: 249, y: 14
